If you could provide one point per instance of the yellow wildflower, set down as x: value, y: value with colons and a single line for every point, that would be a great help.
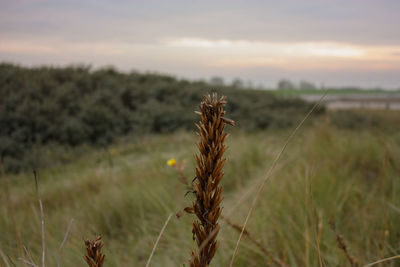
x: 171, y: 162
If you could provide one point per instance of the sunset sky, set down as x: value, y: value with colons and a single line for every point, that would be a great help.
x: 336, y: 42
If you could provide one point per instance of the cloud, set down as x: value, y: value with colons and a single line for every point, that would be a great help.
x: 141, y: 21
x: 194, y: 38
x: 291, y: 55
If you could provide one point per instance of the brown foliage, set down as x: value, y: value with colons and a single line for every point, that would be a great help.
x: 94, y: 257
x: 209, y: 173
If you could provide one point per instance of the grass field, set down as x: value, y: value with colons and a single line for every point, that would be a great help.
x: 334, y: 91
x: 125, y: 193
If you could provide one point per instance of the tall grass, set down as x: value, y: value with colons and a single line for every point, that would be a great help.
x: 328, y: 174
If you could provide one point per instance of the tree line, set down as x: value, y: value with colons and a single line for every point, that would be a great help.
x: 78, y: 105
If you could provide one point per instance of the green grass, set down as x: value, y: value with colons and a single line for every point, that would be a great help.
x: 126, y: 193
x: 333, y: 91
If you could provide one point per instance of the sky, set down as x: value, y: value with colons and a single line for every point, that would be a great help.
x: 327, y: 42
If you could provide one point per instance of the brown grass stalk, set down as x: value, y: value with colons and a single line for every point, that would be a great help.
x: 63, y: 242
x: 382, y: 260
x: 93, y: 256
x: 42, y: 218
x: 3, y: 256
x: 179, y: 167
x: 247, y: 234
x: 183, y: 178
x: 314, y: 223
x: 158, y: 240
x: 209, y: 173
x: 29, y: 255
x: 28, y: 262
x: 268, y: 175
x: 343, y: 246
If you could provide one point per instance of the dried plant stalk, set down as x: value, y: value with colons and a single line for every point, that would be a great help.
x: 343, y: 246
x: 94, y: 257
x: 246, y: 233
x: 63, y: 243
x: 209, y: 173
x: 269, y: 173
x: 42, y: 218
x: 180, y: 168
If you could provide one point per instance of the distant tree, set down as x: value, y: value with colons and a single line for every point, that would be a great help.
x: 217, y: 81
x: 249, y: 84
x: 237, y: 83
x: 304, y: 85
x: 76, y: 105
x: 286, y: 85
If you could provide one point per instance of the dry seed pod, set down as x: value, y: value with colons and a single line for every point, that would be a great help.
x: 94, y: 257
x: 209, y: 173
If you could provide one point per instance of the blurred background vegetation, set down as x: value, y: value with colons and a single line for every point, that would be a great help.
x: 88, y: 98
x: 72, y: 106
x: 101, y: 139
x: 126, y: 192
